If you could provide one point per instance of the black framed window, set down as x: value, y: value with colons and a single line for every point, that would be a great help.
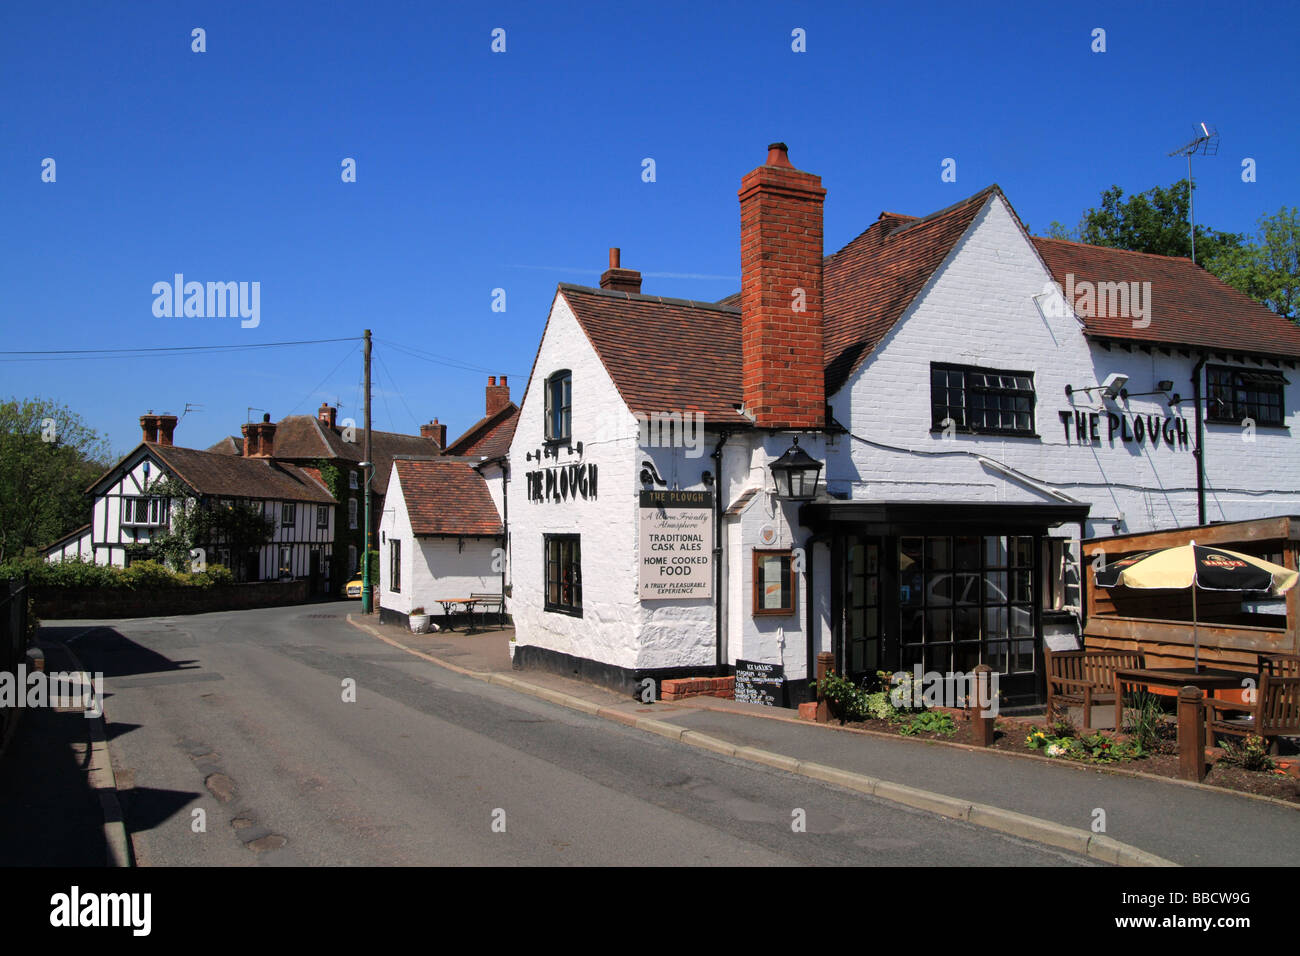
x: 559, y: 401
x: 322, y: 516
x: 981, y: 400
x: 774, y: 585
x: 1235, y: 394
x: 288, y: 514
x: 966, y: 600
x: 563, y: 573
x: 395, y: 565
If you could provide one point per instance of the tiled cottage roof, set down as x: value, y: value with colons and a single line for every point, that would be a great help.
x: 489, y: 437
x: 665, y: 355
x: 226, y: 476
x: 868, y: 285
x: 669, y: 354
x: 306, y: 438
x: 447, y: 498
x: 1189, y: 306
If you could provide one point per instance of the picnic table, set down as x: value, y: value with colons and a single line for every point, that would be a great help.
x: 1207, y: 679
x: 449, y: 603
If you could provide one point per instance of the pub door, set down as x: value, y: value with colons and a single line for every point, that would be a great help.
x: 864, y: 645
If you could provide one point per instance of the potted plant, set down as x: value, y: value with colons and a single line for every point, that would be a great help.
x: 419, y: 620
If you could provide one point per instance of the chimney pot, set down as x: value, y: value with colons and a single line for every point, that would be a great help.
x: 617, y: 278
x: 778, y: 154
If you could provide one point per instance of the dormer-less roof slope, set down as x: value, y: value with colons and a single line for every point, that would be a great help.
x: 1189, y: 307
x: 489, y: 437
x: 227, y: 476
x: 868, y: 285
x: 665, y: 355
x: 447, y: 498
x: 306, y: 438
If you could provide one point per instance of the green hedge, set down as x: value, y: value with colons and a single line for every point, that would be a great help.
x: 81, y: 573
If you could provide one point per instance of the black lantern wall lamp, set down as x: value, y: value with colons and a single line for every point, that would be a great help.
x: 796, y: 473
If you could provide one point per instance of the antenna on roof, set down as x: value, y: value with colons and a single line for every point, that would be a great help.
x: 251, y: 409
x: 1205, y: 142
x: 190, y: 407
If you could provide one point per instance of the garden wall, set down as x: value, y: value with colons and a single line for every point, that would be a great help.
x: 54, y: 603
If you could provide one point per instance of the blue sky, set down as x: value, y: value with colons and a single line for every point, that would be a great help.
x: 517, y: 170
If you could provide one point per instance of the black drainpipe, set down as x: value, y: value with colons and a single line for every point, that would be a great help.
x: 505, y: 528
x: 1199, y: 451
x: 812, y: 541
x: 717, y: 549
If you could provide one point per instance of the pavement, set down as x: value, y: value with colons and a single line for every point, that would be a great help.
x: 1144, y: 820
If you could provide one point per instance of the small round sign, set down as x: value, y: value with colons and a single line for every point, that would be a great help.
x: 767, y: 534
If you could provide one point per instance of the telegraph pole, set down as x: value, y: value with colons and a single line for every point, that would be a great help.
x: 367, y: 472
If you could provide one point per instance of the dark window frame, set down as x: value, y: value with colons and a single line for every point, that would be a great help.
x: 943, y: 407
x: 556, y: 554
x: 322, y: 516
x: 1246, y: 396
x: 564, y: 431
x: 791, y: 597
x: 288, y: 514
x: 395, y: 565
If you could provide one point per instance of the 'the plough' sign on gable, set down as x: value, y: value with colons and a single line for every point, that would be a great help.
x: 562, y: 483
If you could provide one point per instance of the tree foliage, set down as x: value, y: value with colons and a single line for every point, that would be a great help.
x: 48, y: 457
x: 1267, y: 269
x: 1154, y: 221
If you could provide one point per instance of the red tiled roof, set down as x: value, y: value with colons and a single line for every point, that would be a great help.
x: 1189, y: 306
x: 227, y: 476
x: 306, y: 438
x: 447, y: 498
x: 665, y: 355
x: 489, y: 437
x: 870, y: 282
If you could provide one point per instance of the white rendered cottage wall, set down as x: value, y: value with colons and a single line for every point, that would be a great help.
x: 395, y: 525
x: 978, y: 309
x: 610, y: 625
x: 450, y: 568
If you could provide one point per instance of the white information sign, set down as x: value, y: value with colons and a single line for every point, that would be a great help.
x: 676, y: 545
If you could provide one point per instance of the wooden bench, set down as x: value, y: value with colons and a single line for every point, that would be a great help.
x: 489, y: 602
x: 1280, y: 665
x: 1084, y: 678
x: 1274, y: 713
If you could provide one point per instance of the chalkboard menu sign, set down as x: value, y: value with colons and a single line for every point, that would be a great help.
x: 760, y: 683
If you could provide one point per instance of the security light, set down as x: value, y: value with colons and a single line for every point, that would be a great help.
x: 1113, y: 387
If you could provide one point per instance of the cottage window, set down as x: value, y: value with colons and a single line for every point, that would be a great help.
x: 773, y: 582
x: 144, y: 511
x: 981, y: 400
x: 559, y: 399
x: 1236, y: 394
x: 322, y: 516
x: 395, y: 565
x: 563, y: 573
x: 286, y: 563
x: 352, y: 480
x: 352, y: 513
x: 288, y: 514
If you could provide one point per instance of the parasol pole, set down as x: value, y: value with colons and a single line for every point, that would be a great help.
x: 1196, y: 634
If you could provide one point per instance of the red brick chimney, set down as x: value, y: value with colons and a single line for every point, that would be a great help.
x: 259, y: 438
x: 435, y: 431
x: 327, y: 415
x: 784, y: 382
x: 149, y: 427
x: 166, y: 428
x: 619, y: 279
x: 498, y: 396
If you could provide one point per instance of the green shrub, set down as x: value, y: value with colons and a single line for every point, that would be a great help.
x: 1251, y: 754
x: 149, y: 575
x: 928, y: 722
x: 847, y: 702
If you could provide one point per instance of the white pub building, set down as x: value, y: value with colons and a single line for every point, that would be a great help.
x: 890, y: 453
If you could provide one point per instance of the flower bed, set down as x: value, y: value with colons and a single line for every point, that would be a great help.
x: 1149, y: 746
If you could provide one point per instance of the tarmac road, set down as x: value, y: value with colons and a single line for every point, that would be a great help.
x: 243, y: 715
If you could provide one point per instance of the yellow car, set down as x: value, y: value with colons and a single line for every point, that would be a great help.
x: 353, y: 588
